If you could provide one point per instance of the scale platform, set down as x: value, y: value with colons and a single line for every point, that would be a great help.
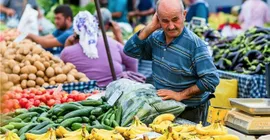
x: 249, y: 116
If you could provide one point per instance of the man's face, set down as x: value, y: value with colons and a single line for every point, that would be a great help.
x: 172, y: 22
x: 60, y: 21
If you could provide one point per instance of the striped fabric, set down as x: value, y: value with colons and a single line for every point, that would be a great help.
x: 179, y: 65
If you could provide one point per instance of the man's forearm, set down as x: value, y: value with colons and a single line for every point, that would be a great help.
x: 44, y: 42
x: 190, y: 92
x: 116, y: 14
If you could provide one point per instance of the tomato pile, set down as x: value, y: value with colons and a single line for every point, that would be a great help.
x: 28, y: 98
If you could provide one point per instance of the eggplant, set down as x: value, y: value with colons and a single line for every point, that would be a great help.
x: 239, y: 68
x: 253, y: 54
x: 258, y: 69
x: 233, y: 49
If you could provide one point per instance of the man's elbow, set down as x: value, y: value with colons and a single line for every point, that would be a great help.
x: 214, y: 83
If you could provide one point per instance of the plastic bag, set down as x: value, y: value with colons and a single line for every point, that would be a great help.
x: 225, y: 90
x: 29, y: 21
x: 141, y: 100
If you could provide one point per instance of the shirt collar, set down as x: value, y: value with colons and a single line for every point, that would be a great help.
x: 161, y: 37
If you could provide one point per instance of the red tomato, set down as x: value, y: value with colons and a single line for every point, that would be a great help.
x: 39, y: 93
x: 31, y: 100
x: 9, y: 104
x: 31, y: 96
x: 5, y: 97
x: 51, y: 102
x: 57, y: 102
x: 16, y: 104
x: 95, y: 92
x: 28, y: 105
x: 70, y: 100
x: 23, y: 102
x: 36, y: 102
x: 11, y: 95
x: 50, y: 91
x: 81, y: 97
x: 18, y: 96
x: 64, y: 99
x: 43, y: 98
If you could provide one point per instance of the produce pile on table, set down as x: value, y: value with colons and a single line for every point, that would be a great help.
x: 247, y: 53
x: 28, y: 98
x: 70, y: 116
x: 162, y: 126
x: 206, y: 33
x: 26, y: 65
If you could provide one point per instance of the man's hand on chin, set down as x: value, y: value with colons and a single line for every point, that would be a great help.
x: 166, y: 94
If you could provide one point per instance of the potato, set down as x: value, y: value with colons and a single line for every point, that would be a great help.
x: 52, y: 79
x: 84, y: 79
x: 61, y: 78
x: 23, y: 76
x: 54, y: 65
x: 66, y: 69
x: 40, y: 74
x: 45, y: 85
x: 70, y: 78
x: 15, y: 88
x: 16, y: 69
x: 14, y: 78
x: 40, y: 81
x: 3, y: 77
x: 37, y: 50
x: 46, y: 64
x: 52, y: 83
x: 8, y: 70
x: 70, y: 65
x: 46, y: 79
x: 32, y: 69
x: 39, y: 66
x: 21, y: 65
x: 50, y: 72
x: 32, y: 76
x: 7, y: 85
x: 27, y: 62
x: 12, y: 63
x: 58, y: 70
x: 24, y: 84
x: 36, y: 57
x: 31, y: 83
x: 79, y: 75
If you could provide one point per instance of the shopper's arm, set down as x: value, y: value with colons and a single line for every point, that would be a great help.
x: 45, y: 42
x: 7, y: 11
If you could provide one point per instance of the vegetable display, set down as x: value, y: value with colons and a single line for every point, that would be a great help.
x: 26, y: 65
x: 247, y: 53
x: 71, y: 116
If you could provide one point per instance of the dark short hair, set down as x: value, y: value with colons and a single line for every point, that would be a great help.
x: 65, y: 10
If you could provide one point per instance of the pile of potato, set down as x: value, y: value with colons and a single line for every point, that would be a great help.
x: 26, y: 65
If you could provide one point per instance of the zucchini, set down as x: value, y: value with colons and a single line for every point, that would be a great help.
x: 39, y: 126
x: 28, y: 114
x: 91, y: 102
x: 97, y: 111
x: 26, y: 128
x: 18, y: 125
x: 77, y: 113
x: 68, y: 122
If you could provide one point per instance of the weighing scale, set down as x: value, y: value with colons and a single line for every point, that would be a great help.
x: 196, y: 21
x: 249, y: 116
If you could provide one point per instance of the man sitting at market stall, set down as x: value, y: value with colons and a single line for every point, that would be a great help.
x: 89, y: 53
x: 182, y: 67
x: 55, y: 41
x: 196, y: 8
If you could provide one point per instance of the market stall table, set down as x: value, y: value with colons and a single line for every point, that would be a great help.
x: 249, y: 86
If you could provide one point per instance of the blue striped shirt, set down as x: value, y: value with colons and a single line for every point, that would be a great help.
x: 179, y: 65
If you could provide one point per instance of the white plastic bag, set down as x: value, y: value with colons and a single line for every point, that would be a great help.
x: 29, y: 21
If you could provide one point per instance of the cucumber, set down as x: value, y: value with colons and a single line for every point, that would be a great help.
x: 45, y: 107
x: 44, y: 129
x: 118, y: 114
x: 12, y: 120
x: 92, y: 117
x: 106, y: 114
x: 97, y: 111
x: 96, y: 122
x: 42, y: 119
x: 112, y: 118
x: 100, y: 117
x: 102, y: 127
x: 65, y: 108
x: 9, y: 127
x: 107, y: 122
x: 68, y: 122
x: 105, y: 107
x: 77, y: 113
x: 37, y: 109
x: 91, y: 102
x: 103, y: 98
x: 28, y: 114
x: 34, y: 119
x: 75, y: 103
x: 28, y: 119
x: 15, y: 131
x: 39, y: 126
x: 20, y: 111
x: 76, y: 126
x: 18, y: 125
x: 44, y: 114
x: 26, y: 128
x: 85, y: 120
x: 59, y: 120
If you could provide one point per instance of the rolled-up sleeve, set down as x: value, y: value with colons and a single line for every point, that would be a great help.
x: 206, y: 70
x: 137, y: 48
